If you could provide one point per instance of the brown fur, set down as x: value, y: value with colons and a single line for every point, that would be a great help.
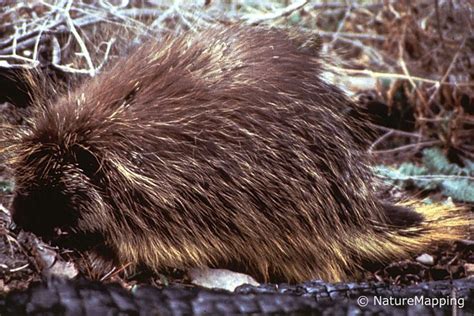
x: 219, y: 148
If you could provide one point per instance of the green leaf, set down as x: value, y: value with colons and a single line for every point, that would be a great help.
x: 436, y: 173
x: 459, y: 189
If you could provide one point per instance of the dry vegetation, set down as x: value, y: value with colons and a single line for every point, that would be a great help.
x: 415, y: 60
x: 410, y: 63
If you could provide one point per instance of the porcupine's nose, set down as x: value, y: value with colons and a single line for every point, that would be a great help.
x: 23, y: 214
x: 38, y: 212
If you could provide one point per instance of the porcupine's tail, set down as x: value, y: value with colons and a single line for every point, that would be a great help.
x: 410, y: 228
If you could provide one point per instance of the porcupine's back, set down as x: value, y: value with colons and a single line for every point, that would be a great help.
x: 218, y: 148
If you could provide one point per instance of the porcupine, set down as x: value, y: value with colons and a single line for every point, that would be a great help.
x: 218, y: 148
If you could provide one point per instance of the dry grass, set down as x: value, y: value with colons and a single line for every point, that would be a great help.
x: 415, y: 57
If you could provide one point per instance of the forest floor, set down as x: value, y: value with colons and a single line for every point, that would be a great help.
x: 411, y: 67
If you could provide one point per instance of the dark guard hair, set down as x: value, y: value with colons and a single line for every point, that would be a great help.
x: 221, y: 148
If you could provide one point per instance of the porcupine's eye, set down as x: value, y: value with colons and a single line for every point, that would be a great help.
x: 86, y: 161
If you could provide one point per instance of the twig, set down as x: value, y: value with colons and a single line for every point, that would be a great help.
x: 278, y: 13
x: 25, y: 44
x: 115, y: 11
x: 93, y: 16
x: 30, y: 63
x: 438, y: 23
x: 448, y: 71
x: 406, y: 147
x: 108, y: 274
x: 185, y: 20
x: 396, y: 131
x: 434, y: 119
x: 80, y: 42
x: 72, y: 28
x: 467, y: 150
x: 38, y: 38
x: 109, y: 6
x: 56, y: 54
x: 452, y: 260
x: 390, y: 132
x: 380, y: 140
x: 106, y: 54
x: 341, y: 24
x: 163, y: 16
x: 198, y: 18
x: 376, y: 56
x: 19, y: 268
x: 374, y: 37
x: 142, y: 12
x: 375, y: 74
x: 115, y: 271
x: 404, y: 67
x: 8, y: 42
x: 3, y: 209
x: 27, y: 40
x: 338, y: 5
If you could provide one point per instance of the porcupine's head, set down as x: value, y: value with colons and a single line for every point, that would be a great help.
x: 71, y: 159
x: 56, y: 172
